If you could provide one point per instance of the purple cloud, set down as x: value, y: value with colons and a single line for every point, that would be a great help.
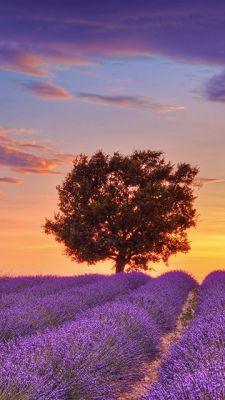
x: 137, y: 102
x: 47, y: 91
x: 32, y: 146
x: 215, y: 88
x: 75, y: 33
x: 11, y: 180
x: 18, y: 60
x: 26, y: 163
x: 35, y: 62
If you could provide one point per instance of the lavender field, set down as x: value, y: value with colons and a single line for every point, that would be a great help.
x: 88, y: 337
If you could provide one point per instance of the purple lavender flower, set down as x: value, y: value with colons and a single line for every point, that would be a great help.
x: 195, y: 366
x: 98, y: 355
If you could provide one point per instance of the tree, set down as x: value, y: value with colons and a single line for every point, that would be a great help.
x: 132, y: 209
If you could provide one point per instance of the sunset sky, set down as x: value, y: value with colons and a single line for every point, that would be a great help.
x: 78, y: 76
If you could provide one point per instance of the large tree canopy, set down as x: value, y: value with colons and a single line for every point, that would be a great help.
x: 133, y: 209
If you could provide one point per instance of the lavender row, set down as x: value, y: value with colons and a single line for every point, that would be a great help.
x: 54, y: 310
x: 194, y: 369
x: 176, y: 286
x: 15, y: 285
x: 43, y: 286
x: 98, y: 356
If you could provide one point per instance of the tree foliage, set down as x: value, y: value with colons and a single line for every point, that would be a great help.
x: 133, y: 209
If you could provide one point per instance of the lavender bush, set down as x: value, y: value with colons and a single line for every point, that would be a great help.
x: 41, y: 286
x: 53, y: 310
x: 162, y: 299
x: 15, y: 285
x: 99, y: 355
x: 194, y: 369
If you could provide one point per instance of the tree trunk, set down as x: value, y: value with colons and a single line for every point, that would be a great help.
x: 120, y: 264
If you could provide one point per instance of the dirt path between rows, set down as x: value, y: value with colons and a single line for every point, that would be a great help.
x: 151, y: 368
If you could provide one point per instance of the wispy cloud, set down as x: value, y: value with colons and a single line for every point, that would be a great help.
x: 32, y: 146
x: 5, y: 139
x: 24, y: 156
x: 26, y: 163
x: 72, y: 34
x: 11, y: 180
x: 5, y: 130
x: 18, y: 144
x: 63, y: 157
x: 47, y: 91
x: 37, y: 62
x: 18, y: 60
x: 204, y: 181
x: 215, y: 88
x: 136, y: 102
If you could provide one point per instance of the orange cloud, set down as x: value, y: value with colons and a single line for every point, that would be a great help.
x: 5, y: 139
x: 34, y: 63
x: 65, y: 158
x: 24, y: 145
x: 25, y: 163
x: 5, y: 130
x: 47, y: 91
x: 11, y: 180
x: 203, y: 181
